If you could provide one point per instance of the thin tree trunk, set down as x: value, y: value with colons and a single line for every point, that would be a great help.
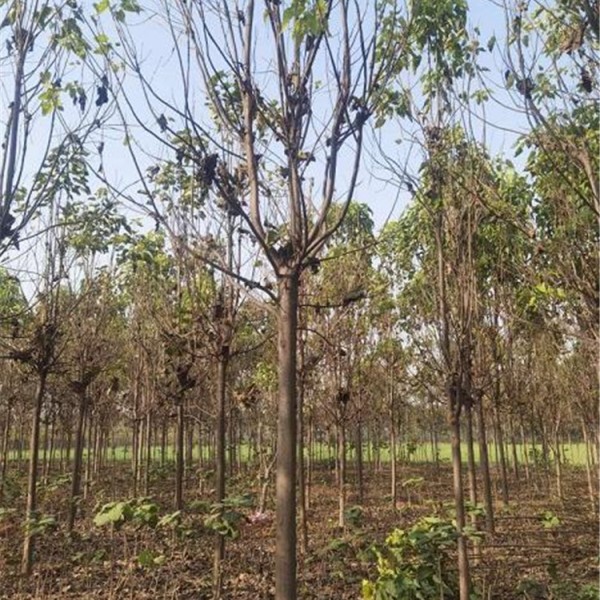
x: 525, y: 450
x: 34, y: 446
x: 179, y: 469
x: 588, y: 466
x: 135, y: 452
x: 471, y: 456
x: 220, y: 433
x: 359, y: 462
x: 88, y: 461
x: 500, y: 450
x: 189, y: 452
x: 394, y: 482
x: 77, y: 462
x: 342, y: 472
x: 485, y: 466
x: 459, y: 505
x: 148, y: 452
x: 558, y: 464
x: 513, y: 443
x: 5, y: 448
x: 301, y: 462
x: 163, y: 443
x: 311, y: 459
x: 45, y: 450
x: 52, y: 447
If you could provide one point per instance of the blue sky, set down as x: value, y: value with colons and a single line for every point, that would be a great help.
x: 495, y: 125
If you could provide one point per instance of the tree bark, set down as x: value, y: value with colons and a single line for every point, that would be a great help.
x: 5, y: 446
x: 77, y: 462
x: 464, y: 578
x: 342, y: 471
x: 285, y: 486
x: 179, y: 469
x: 394, y: 482
x: 301, y: 462
x: 588, y: 466
x: 219, y: 555
x: 359, y: 462
x: 484, y: 462
x: 34, y: 446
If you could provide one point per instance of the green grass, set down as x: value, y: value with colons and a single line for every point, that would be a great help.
x: 575, y: 453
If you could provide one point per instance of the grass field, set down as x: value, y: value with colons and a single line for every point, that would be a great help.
x: 573, y: 454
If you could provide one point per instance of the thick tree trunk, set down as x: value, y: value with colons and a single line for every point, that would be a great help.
x: 285, y: 544
x: 34, y: 446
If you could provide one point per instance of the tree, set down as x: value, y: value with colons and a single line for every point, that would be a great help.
x: 41, y: 39
x: 278, y: 138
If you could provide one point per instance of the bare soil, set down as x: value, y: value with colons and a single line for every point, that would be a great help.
x: 524, y: 559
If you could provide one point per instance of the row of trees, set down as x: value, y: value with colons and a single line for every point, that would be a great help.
x: 264, y: 309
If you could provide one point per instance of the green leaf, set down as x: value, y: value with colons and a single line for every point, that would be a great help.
x: 130, y: 6
x: 102, y: 6
x: 113, y: 513
x: 148, y: 559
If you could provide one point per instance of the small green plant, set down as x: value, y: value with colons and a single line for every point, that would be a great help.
x: 57, y: 483
x: 353, y: 516
x: 199, y: 506
x: 474, y: 510
x: 225, y: 517
x: 411, y: 449
x: 139, y: 511
x: 415, y: 564
x: 6, y: 513
x: 171, y: 520
x: 114, y: 514
x: 148, y: 559
x: 549, y: 520
x: 145, y: 513
x: 11, y: 489
x: 531, y: 588
x: 336, y: 546
x: 40, y: 525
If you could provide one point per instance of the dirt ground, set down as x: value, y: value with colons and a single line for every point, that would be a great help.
x: 525, y: 559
